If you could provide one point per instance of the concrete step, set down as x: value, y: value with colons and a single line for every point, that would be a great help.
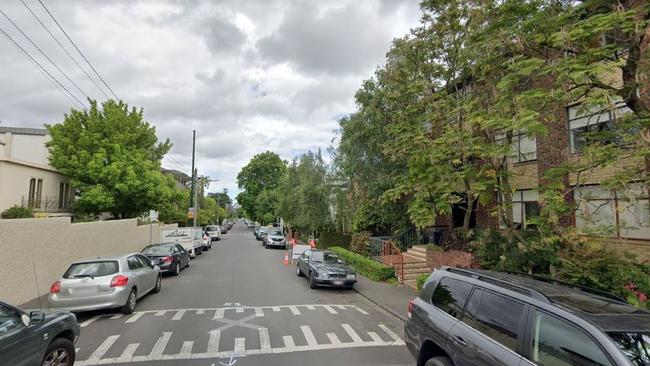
x: 414, y: 276
x: 418, y: 248
x: 415, y: 256
x: 411, y: 283
x: 417, y: 273
x: 415, y: 265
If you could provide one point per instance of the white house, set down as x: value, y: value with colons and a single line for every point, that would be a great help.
x: 26, y: 178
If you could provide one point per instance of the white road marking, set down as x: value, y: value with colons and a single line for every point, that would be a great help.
x: 288, y: 342
x: 265, y: 340
x: 355, y: 337
x: 276, y: 308
x: 397, y: 340
x: 213, y: 343
x: 160, y: 345
x: 361, y: 311
x: 200, y: 312
x: 129, y: 351
x: 134, y: 317
x: 342, y: 307
x: 330, y: 309
x: 309, y: 336
x: 311, y: 307
x: 240, y: 346
x: 116, y: 316
x: 218, y: 314
x: 179, y: 314
x: 77, y: 350
x: 160, y: 313
x: 90, y: 321
x: 294, y: 310
x: 334, y: 339
x: 103, y: 348
x: 186, y: 349
x: 375, y: 337
x: 239, y: 310
x: 259, y: 312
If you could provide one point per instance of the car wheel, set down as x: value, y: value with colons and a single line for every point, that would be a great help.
x: 312, y: 281
x: 298, y: 272
x: 129, y: 307
x: 158, y: 285
x: 177, y: 269
x: 439, y: 361
x: 60, y: 352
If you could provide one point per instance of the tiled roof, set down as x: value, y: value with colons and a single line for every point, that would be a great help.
x: 24, y: 131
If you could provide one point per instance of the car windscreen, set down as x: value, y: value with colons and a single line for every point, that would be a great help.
x: 212, y: 228
x: 324, y: 257
x: 276, y: 233
x: 91, y: 269
x: 264, y: 229
x: 635, y: 345
x: 158, y: 249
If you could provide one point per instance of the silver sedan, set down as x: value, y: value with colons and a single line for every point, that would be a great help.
x: 105, y: 283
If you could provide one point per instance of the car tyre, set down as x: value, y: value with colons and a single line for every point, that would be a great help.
x: 439, y: 361
x: 312, y: 281
x: 299, y: 272
x: 131, y: 300
x: 60, y: 352
x: 158, y: 285
x: 177, y: 269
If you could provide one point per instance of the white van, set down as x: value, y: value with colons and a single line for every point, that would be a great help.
x: 183, y: 236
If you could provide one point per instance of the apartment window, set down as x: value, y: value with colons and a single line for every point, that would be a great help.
x: 623, y: 213
x: 586, y: 122
x: 525, y: 206
x: 64, y: 195
x: 524, y: 147
x: 35, y: 192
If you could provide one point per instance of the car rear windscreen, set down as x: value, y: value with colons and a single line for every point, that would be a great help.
x: 91, y: 269
x: 212, y: 228
x: 163, y: 249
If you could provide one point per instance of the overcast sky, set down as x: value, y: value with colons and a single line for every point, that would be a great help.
x: 248, y: 75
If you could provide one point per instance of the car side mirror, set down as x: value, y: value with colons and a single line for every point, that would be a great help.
x: 36, y: 317
x: 25, y: 319
x: 152, y: 263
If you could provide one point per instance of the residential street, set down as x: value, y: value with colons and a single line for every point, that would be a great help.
x: 238, y: 303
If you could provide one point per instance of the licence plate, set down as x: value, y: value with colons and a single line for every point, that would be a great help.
x: 338, y: 283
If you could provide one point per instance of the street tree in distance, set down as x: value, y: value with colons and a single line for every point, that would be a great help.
x: 263, y: 172
x: 112, y: 156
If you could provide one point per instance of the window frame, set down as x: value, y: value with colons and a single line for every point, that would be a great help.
x: 133, y: 258
x: 528, y: 342
x: 516, y: 157
x: 611, y: 118
x: 17, y: 314
x: 462, y: 310
x: 521, y: 327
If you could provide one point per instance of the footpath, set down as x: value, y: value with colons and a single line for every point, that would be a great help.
x: 393, y: 299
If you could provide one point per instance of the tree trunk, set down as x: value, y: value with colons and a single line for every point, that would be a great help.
x: 467, y: 218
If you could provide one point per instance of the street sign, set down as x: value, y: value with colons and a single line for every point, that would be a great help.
x: 153, y: 215
x: 190, y: 213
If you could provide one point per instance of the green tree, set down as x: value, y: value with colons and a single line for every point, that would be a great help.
x: 266, y: 205
x: 222, y: 198
x: 263, y: 172
x: 113, y: 158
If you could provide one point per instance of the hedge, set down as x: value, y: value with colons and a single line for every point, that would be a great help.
x: 365, y: 266
x: 419, y: 282
x: 333, y: 239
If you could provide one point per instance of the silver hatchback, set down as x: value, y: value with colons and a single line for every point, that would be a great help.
x: 105, y: 283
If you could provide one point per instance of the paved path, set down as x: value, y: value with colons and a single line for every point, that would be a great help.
x: 237, y: 304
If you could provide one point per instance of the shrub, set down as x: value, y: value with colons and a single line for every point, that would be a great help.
x: 17, y: 212
x: 333, y: 239
x: 365, y: 266
x: 359, y: 242
x: 419, y: 282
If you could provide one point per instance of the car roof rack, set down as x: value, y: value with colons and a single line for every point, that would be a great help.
x: 499, y: 282
x: 574, y: 286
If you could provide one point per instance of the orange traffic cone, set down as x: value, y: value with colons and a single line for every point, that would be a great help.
x: 286, y: 258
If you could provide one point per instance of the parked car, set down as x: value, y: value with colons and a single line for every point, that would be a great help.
x: 188, y: 237
x: 37, y: 338
x: 256, y: 232
x: 206, y: 241
x: 476, y: 317
x: 105, y: 283
x: 169, y: 257
x: 262, y: 232
x: 214, y: 231
x: 250, y: 224
x: 324, y: 268
x: 275, y: 238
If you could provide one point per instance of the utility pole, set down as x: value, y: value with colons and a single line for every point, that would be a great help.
x: 196, y: 198
x: 193, y: 173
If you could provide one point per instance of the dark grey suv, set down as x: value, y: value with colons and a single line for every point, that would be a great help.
x: 475, y: 317
x: 37, y: 338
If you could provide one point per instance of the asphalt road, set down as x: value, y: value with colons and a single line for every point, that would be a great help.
x: 237, y: 304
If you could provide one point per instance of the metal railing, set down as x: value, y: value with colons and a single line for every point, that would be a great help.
x: 384, y: 249
x: 47, y: 204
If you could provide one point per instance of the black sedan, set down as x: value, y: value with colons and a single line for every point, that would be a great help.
x: 170, y: 257
x: 324, y: 268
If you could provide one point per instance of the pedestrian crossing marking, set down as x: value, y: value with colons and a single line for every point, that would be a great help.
x: 240, y: 346
x: 265, y: 340
x: 129, y: 351
x: 218, y: 314
x: 186, y: 349
x: 288, y: 341
x: 294, y: 310
x: 213, y: 343
x: 160, y: 313
x: 259, y: 312
x: 334, y: 339
x: 355, y: 337
x: 239, y: 310
x: 375, y: 337
x: 179, y: 314
x: 160, y: 345
x: 103, y: 348
x: 311, y: 307
x: 330, y: 309
x: 116, y: 316
x: 309, y: 336
x: 90, y: 321
x: 134, y: 317
x: 200, y: 312
x: 276, y: 308
x: 361, y: 311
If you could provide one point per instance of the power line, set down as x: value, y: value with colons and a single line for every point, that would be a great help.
x: 177, y: 162
x: 44, y: 55
x: 42, y: 69
x: 77, y: 48
x: 64, y: 49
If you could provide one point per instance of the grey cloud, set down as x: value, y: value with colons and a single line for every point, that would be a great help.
x: 221, y: 36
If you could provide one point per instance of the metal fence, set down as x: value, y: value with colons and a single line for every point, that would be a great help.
x: 47, y: 204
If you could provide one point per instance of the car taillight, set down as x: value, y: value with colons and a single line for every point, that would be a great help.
x: 411, y: 306
x: 119, y: 281
x: 55, y: 288
x: 167, y: 259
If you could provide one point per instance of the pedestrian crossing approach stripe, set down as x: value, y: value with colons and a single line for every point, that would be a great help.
x: 212, y: 352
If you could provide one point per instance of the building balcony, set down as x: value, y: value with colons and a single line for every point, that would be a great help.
x: 47, y: 204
